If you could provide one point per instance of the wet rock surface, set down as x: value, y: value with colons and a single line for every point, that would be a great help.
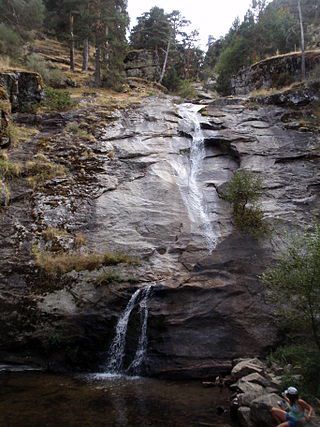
x: 125, y: 191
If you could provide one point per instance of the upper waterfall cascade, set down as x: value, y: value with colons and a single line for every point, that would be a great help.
x: 191, y: 190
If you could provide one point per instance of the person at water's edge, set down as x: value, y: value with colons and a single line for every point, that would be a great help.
x: 299, y: 412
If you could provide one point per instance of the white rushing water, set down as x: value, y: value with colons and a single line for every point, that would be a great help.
x: 143, y: 337
x: 191, y: 190
x: 118, y: 345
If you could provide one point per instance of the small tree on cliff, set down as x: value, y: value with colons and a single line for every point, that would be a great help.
x: 294, y: 285
x: 244, y: 191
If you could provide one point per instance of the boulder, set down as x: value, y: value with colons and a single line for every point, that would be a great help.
x: 244, y: 417
x: 261, y: 410
x: 247, y: 367
x: 143, y: 64
x: 23, y: 88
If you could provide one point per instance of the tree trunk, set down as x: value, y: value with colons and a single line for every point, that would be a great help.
x: 85, y: 55
x: 72, y: 65
x: 303, y: 53
x: 163, y: 72
x: 97, y: 69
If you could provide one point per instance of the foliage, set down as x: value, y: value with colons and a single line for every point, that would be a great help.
x: 294, y: 284
x: 22, y: 15
x: 172, y: 80
x: 57, y: 100
x: 51, y: 76
x: 243, y: 191
x: 265, y: 31
x: 10, y: 41
x: 176, y: 50
x: 186, y: 90
x: 303, y: 359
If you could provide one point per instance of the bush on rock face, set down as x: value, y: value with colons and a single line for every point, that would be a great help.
x: 243, y: 191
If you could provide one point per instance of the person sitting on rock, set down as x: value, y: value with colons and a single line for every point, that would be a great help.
x: 299, y: 412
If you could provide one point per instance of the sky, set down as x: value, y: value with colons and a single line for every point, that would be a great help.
x: 209, y: 17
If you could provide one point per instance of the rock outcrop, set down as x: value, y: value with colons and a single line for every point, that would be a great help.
x: 276, y: 72
x: 5, y: 110
x: 128, y: 191
x: 142, y: 64
x: 23, y: 88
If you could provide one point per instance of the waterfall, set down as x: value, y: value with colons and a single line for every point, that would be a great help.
x: 118, y: 345
x: 193, y: 196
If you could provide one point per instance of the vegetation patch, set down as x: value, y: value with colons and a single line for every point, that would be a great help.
x: 42, y: 169
x: 57, y: 100
x: 51, y: 76
x: 243, y: 191
x: 8, y: 169
x: 186, y: 90
x: 293, y: 288
x: 62, y: 263
x: 77, y: 130
x: 20, y: 134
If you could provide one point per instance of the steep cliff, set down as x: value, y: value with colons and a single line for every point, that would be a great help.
x: 130, y: 190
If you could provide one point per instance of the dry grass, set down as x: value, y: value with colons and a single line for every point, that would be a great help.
x: 8, y: 169
x: 65, y: 262
x: 79, y: 240
x: 42, y: 169
x: 52, y: 233
x: 20, y: 134
x: 273, y: 91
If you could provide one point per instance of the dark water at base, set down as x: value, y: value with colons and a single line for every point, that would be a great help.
x: 38, y: 400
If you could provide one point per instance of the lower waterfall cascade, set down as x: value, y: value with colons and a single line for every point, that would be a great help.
x: 116, y: 352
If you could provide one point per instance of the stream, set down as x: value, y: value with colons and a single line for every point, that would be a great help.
x: 30, y: 399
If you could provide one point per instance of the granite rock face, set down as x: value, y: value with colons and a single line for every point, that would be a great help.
x: 23, y: 88
x: 5, y: 110
x: 276, y: 72
x: 129, y: 191
x: 142, y: 64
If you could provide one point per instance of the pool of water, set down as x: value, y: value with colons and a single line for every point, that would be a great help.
x: 34, y: 399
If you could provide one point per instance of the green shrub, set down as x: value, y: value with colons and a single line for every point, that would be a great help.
x: 57, y: 100
x: 293, y: 284
x: 299, y: 360
x: 282, y: 79
x: 10, y: 42
x: 171, y: 80
x: 186, y: 90
x: 243, y: 191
